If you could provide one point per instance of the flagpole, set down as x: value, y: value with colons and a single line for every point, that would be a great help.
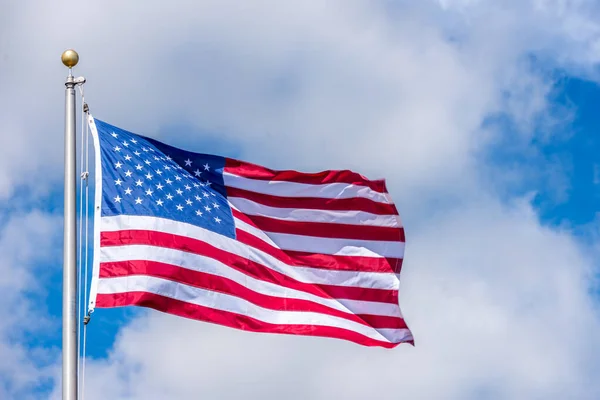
x: 70, y: 348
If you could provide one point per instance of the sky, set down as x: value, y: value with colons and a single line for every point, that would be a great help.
x: 481, y: 115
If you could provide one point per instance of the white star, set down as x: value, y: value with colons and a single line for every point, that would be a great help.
x: 207, y: 208
x: 138, y: 201
x: 207, y: 183
x: 215, y: 205
x: 199, y: 213
x: 127, y: 191
x: 204, y: 194
x: 206, y: 167
x: 138, y: 167
x: 212, y: 194
x: 197, y: 172
x: 125, y: 144
x: 137, y: 153
x: 188, y: 162
x: 169, y: 196
x: 149, y: 175
x: 188, y: 187
x: 114, y: 134
x: 133, y: 141
x: 118, y: 182
x: 188, y: 202
x: 117, y: 148
x: 217, y: 220
x: 177, y: 177
x: 169, y: 181
x: 156, y: 158
x: 128, y: 157
x: 167, y: 168
x: 117, y: 199
x: 149, y: 192
x: 159, y: 202
x: 144, y: 149
x: 147, y: 162
x: 128, y: 173
x: 118, y: 164
x: 158, y: 171
x: 138, y: 182
x: 159, y: 186
x: 179, y: 207
x: 151, y: 149
x: 168, y: 158
x: 198, y: 198
x: 196, y: 185
x: 179, y: 191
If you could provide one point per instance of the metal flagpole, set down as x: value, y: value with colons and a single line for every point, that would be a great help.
x: 70, y: 348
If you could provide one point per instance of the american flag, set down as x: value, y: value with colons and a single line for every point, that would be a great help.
x: 233, y: 243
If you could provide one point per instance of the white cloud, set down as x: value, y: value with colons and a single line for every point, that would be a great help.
x: 26, y: 240
x: 329, y: 82
x: 497, y: 302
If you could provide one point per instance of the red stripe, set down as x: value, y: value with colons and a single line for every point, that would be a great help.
x: 322, y: 229
x: 324, y: 261
x: 253, y: 171
x: 315, y: 203
x: 251, y: 268
x: 232, y: 320
x: 342, y: 263
x: 225, y: 285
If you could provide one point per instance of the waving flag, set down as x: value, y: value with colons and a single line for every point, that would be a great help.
x: 236, y: 244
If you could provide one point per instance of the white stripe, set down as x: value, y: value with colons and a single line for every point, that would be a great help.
x: 211, y: 266
x: 228, y: 303
x: 97, y: 204
x: 375, y: 280
x: 338, y: 247
x: 250, y: 207
x: 333, y: 246
x: 293, y: 189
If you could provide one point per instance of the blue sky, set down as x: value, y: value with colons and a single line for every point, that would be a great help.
x: 482, y: 118
x: 563, y: 159
x: 578, y: 155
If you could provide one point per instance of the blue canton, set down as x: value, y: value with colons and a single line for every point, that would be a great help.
x: 142, y: 176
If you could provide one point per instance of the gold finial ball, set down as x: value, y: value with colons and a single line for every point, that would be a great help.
x: 70, y: 58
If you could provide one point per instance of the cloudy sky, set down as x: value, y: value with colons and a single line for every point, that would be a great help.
x: 482, y: 116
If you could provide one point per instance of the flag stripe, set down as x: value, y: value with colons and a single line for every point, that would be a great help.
x: 270, y: 296
x: 340, y: 204
x: 351, y: 217
x: 322, y: 261
x: 324, y: 245
x: 323, y: 229
x: 234, y: 320
x: 291, y: 258
x: 343, y: 294
x: 293, y: 189
x: 371, y: 280
x: 253, y: 171
x: 226, y: 302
